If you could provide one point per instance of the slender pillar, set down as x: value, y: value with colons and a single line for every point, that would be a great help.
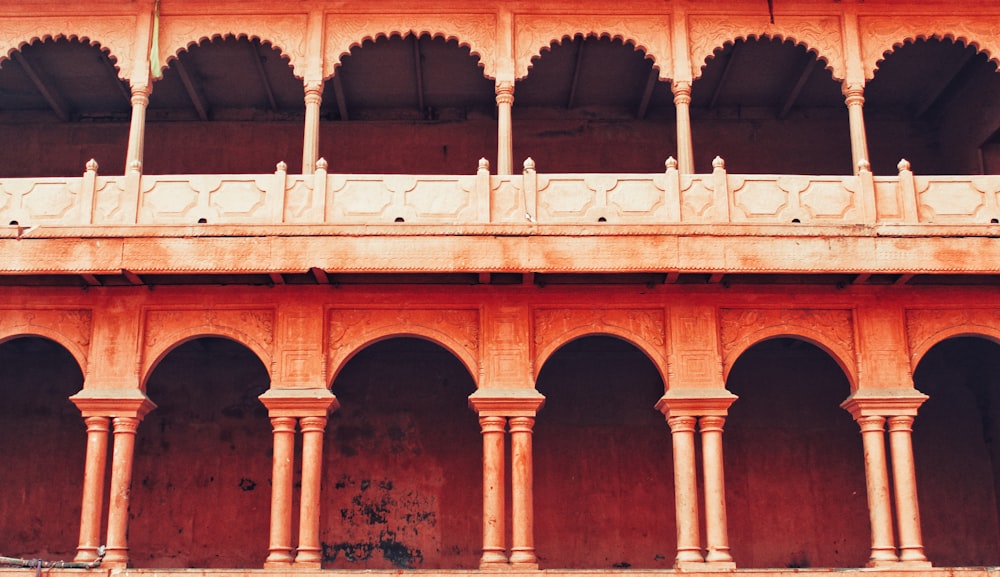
x: 310, y: 143
x: 280, y: 548
x: 505, y: 137
x: 522, y: 551
x: 877, y: 475
x: 309, y: 551
x: 911, y: 547
x: 137, y: 127
x: 716, y: 527
x: 494, y: 553
x: 121, y: 488
x: 854, y: 97
x: 93, y: 488
x: 685, y: 490
x: 685, y: 150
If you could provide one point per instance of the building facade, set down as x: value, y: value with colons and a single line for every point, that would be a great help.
x: 501, y: 286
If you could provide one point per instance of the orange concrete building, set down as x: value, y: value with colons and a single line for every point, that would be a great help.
x: 500, y: 286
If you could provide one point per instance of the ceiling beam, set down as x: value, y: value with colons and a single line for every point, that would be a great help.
x: 132, y: 278
x: 647, y: 94
x: 571, y: 100
x: 276, y: 278
x: 259, y: 65
x: 90, y: 279
x: 796, y: 90
x: 672, y: 277
x: 727, y: 67
x: 944, y: 82
x: 418, y: 69
x: 193, y: 90
x: 861, y: 278
x: 338, y: 95
x: 904, y: 279
x: 716, y: 277
x: 121, y: 84
x: 320, y: 275
x: 44, y: 86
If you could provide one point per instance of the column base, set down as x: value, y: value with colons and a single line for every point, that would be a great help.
x: 280, y: 560
x: 690, y: 565
x: 724, y: 566
x: 914, y: 564
x: 493, y: 565
x: 115, y: 559
x: 524, y: 565
x: 85, y: 554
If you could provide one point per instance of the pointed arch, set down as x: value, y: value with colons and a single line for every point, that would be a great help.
x: 112, y: 35
x: 882, y: 36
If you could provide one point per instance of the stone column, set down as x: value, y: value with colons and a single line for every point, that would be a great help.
x: 310, y: 142
x: 505, y: 137
x: 309, y: 553
x: 121, y: 487
x: 685, y: 150
x: 685, y: 490
x: 716, y: 527
x: 93, y: 488
x: 137, y: 127
x: 494, y: 534
x: 879, y: 507
x: 522, y: 551
x: 911, y: 547
x: 280, y: 548
x: 854, y: 97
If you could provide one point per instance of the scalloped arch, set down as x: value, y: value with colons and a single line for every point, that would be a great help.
x: 82, y: 39
x: 166, y: 60
x: 330, y: 68
x: 769, y: 36
x: 840, y: 355
x: 439, y: 338
x: 544, y: 353
x: 962, y: 330
x: 625, y: 40
x: 170, y: 342
x: 51, y: 334
x: 871, y: 70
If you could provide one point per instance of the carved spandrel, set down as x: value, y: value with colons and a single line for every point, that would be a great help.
x: 647, y: 326
x: 883, y: 34
x: 924, y: 325
x: 115, y: 34
x: 739, y: 326
x: 248, y: 326
x: 74, y: 325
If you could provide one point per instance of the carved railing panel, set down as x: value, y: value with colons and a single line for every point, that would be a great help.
x: 364, y: 199
x: 214, y: 199
x: 951, y: 199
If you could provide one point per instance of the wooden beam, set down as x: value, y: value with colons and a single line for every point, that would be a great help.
x: 727, y: 67
x: 861, y: 278
x: 193, y: 90
x: 528, y: 278
x: 647, y: 94
x: 485, y: 277
x: 320, y: 275
x: 44, y: 86
x: 571, y: 100
x: 943, y: 84
x: 276, y: 278
x: 338, y: 95
x: 716, y: 277
x: 132, y: 277
x: 418, y: 69
x: 90, y: 279
x: 672, y: 277
x: 796, y: 90
x: 262, y: 74
x: 904, y: 278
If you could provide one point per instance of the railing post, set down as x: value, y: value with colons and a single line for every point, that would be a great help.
x: 483, y: 192
x: 868, y: 206
x: 908, y: 192
x: 672, y: 191
x: 319, y: 190
x: 720, y: 182
x: 530, y: 192
x: 88, y: 189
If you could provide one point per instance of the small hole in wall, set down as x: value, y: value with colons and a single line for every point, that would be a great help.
x: 994, y: 221
x: 15, y: 223
x: 202, y: 221
x: 602, y: 219
x: 399, y: 219
x: 796, y: 221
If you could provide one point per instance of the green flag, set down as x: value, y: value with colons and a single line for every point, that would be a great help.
x: 154, y: 50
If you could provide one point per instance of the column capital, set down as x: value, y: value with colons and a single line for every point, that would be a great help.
x: 113, y: 403
x: 883, y: 402
x: 299, y: 402
x: 695, y: 402
x: 506, y: 402
x: 854, y: 92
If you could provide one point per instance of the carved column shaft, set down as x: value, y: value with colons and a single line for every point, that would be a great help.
x: 911, y: 547
x: 505, y: 136
x: 137, y: 127
x: 93, y: 488
x: 494, y: 534
x: 309, y: 552
x: 121, y: 487
x: 522, y: 551
x: 685, y: 149
x: 877, y: 475
x: 280, y: 548
x: 716, y: 526
x: 685, y: 490
x: 854, y: 97
x: 310, y: 141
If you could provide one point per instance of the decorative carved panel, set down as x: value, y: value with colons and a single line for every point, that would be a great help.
x: 478, y: 32
x: 69, y: 327
x: 644, y: 327
x: 740, y: 328
x: 955, y: 199
x: 163, y: 329
x: 883, y: 34
x: 116, y: 34
x: 363, y: 198
x: 926, y: 327
x: 286, y: 32
x: 819, y: 34
x: 647, y: 33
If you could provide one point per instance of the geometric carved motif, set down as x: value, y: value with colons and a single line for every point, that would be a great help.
x: 74, y: 325
x: 819, y: 34
x: 881, y: 35
x: 923, y: 325
x: 253, y: 328
x: 645, y: 327
x: 114, y: 34
x: 739, y: 327
x: 649, y: 35
x: 350, y: 329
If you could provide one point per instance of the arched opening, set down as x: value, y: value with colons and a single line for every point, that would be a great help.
x: 201, y: 476
x: 769, y: 106
x: 795, y: 477
x: 62, y: 103
x: 604, y: 490
x: 408, y: 105
x: 42, y: 446
x: 594, y: 105
x: 227, y: 105
x: 934, y: 102
x: 402, y: 471
x: 956, y: 445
